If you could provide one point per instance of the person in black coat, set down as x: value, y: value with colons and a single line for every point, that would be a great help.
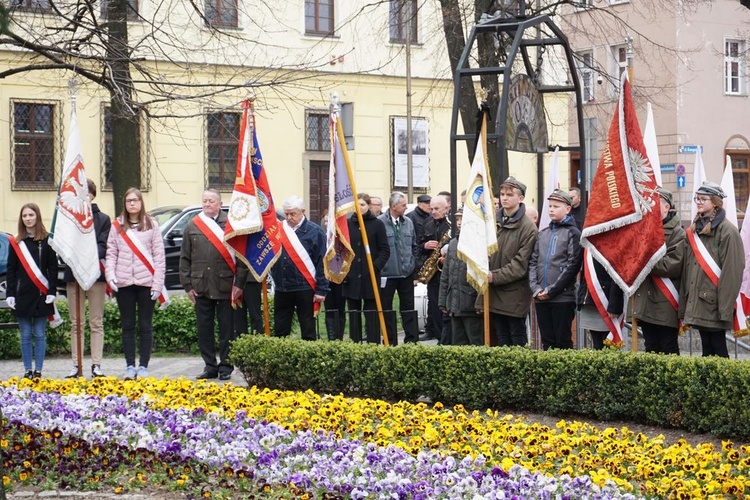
x: 357, y: 284
x: 32, y: 304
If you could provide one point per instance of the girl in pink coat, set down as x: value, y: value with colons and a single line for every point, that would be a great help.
x: 135, y: 272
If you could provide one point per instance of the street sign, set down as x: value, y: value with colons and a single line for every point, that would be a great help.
x: 680, y: 169
x: 667, y: 167
x: 680, y: 181
x: 688, y: 149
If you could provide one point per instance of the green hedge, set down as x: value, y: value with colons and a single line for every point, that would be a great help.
x: 701, y: 395
x: 174, y: 330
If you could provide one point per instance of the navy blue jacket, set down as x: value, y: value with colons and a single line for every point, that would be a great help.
x: 286, y: 276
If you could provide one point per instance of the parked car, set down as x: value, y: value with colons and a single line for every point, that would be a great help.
x: 4, y: 249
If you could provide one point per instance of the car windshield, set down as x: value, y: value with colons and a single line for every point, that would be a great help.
x: 162, y: 215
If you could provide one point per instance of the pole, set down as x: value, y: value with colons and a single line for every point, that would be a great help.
x: 80, y: 311
x: 266, y: 319
x: 2, y: 469
x: 633, y: 327
x: 409, y: 159
x: 486, y: 315
x: 365, y: 242
x: 629, y: 56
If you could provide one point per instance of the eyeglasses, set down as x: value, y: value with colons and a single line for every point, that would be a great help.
x: 701, y: 199
x: 132, y: 201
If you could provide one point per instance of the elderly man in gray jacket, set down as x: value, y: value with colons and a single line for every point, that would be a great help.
x: 398, y: 272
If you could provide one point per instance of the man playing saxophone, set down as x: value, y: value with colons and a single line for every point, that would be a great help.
x: 433, y: 238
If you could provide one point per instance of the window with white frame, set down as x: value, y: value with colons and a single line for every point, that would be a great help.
x: 583, y: 4
x: 735, y: 52
x: 586, y: 65
x: 401, y: 13
x: 619, y: 64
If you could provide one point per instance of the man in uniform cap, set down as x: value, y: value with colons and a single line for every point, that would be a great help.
x: 419, y: 216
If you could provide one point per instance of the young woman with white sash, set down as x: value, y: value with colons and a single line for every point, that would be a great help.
x: 712, y: 273
x: 135, y: 272
x: 32, y: 281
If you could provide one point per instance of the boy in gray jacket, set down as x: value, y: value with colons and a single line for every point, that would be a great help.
x: 553, y: 267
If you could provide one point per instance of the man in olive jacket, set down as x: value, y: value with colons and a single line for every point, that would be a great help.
x: 510, y: 295
x: 211, y: 283
x: 653, y: 308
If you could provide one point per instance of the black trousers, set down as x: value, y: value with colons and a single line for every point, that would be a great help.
x: 285, y: 304
x: 440, y: 327
x: 659, y: 338
x: 132, y: 300
x: 336, y: 313
x: 368, y: 307
x: 555, y: 319
x: 597, y: 339
x: 509, y: 330
x: 714, y: 342
x: 206, y: 312
x: 252, y: 304
x: 405, y: 289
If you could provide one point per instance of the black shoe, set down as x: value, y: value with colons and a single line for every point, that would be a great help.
x: 37, y: 374
x: 29, y: 375
x: 425, y: 337
x: 206, y: 375
x: 225, y: 376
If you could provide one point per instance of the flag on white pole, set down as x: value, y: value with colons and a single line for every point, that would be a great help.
x: 72, y: 235
x: 478, y: 236
x: 552, y: 184
x: 699, y: 177
x: 652, y: 148
x: 730, y: 209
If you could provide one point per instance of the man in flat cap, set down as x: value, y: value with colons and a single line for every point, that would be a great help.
x: 419, y: 216
x: 553, y: 268
x: 656, y: 298
x: 509, y: 292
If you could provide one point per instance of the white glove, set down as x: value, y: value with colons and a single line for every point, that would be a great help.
x: 11, y: 301
x: 113, y: 284
x: 154, y: 294
x: 50, y: 299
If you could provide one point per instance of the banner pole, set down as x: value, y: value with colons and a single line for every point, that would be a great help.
x: 80, y: 311
x: 633, y: 327
x: 486, y: 314
x: 266, y: 318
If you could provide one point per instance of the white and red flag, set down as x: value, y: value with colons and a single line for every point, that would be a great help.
x: 339, y: 254
x: 652, y: 147
x: 478, y: 238
x: 741, y: 309
x: 623, y: 229
x: 72, y: 235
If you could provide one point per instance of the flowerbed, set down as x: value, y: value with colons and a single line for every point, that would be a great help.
x: 211, y: 440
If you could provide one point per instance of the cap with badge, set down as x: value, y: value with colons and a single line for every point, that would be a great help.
x: 666, y: 195
x: 514, y: 183
x: 560, y: 195
x: 424, y: 198
x: 711, y: 189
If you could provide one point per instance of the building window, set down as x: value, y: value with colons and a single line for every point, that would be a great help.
x: 131, y: 7
x: 32, y: 5
x: 221, y: 13
x: 223, y: 132
x: 34, y: 148
x: 318, y: 131
x: 583, y: 5
x: 619, y: 64
x: 319, y: 17
x: 586, y: 60
x: 403, y: 11
x: 734, y: 66
x: 590, y: 134
x: 107, y: 150
x: 741, y: 173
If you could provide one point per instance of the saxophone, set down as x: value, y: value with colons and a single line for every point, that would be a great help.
x: 430, y: 266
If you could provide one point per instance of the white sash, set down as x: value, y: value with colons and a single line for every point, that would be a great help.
x: 55, y: 319
x: 140, y: 251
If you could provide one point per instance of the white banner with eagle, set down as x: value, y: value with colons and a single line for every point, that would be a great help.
x: 72, y: 234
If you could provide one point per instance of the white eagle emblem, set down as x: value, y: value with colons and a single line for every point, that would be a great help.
x: 73, y: 201
x: 641, y: 170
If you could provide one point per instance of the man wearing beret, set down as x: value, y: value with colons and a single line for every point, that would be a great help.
x: 509, y: 292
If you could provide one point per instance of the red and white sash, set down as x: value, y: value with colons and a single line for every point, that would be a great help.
x: 36, y: 277
x: 713, y: 271
x: 667, y: 288
x: 601, y: 301
x: 215, y: 235
x: 140, y: 251
x: 293, y: 247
